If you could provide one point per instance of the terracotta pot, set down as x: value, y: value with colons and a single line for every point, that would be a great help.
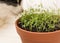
x: 38, y: 37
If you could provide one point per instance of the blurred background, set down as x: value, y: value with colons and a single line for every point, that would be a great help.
x: 10, y: 10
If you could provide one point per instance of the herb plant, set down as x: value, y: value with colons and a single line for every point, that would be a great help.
x: 37, y: 21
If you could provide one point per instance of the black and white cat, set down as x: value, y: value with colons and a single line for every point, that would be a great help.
x: 8, y: 12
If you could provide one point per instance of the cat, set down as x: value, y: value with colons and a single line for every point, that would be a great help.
x: 8, y: 13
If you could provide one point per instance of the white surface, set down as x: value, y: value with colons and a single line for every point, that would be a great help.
x: 8, y: 34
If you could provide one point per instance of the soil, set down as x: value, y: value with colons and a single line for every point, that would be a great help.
x: 57, y: 27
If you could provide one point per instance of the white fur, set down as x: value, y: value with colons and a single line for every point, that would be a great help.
x: 8, y: 13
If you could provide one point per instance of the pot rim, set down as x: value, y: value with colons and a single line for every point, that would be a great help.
x: 34, y: 32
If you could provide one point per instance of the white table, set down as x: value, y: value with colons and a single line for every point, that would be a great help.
x: 8, y: 34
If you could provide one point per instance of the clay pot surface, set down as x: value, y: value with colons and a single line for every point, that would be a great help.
x: 38, y: 37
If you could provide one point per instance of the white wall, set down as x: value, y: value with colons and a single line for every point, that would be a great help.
x: 55, y: 4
